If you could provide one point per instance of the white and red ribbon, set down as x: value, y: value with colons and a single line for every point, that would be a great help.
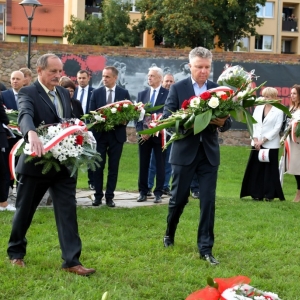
x: 154, y: 118
x: 115, y: 103
x: 79, y: 126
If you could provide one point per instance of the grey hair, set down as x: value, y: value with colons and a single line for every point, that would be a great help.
x: 42, y: 61
x: 158, y: 70
x: 200, y: 52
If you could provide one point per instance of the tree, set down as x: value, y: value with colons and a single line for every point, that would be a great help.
x: 233, y: 20
x: 84, y: 32
x: 182, y: 25
x: 116, y: 20
x: 196, y: 22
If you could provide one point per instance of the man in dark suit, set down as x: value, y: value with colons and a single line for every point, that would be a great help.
x: 156, y: 95
x: 10, y: 97
x: 198, y: 154
x: 109, y: 143
x: 83, y: 93
x: 36, y: 106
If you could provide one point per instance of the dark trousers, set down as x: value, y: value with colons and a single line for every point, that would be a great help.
x: 3, y: 181
x: 62, y: 190
x: 108, y: 145
x: 182, y: 178
x: 145, y: 149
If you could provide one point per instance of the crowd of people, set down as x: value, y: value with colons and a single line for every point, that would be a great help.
x: 189, y: 165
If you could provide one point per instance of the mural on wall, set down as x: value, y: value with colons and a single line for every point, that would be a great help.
x: 133, y: 72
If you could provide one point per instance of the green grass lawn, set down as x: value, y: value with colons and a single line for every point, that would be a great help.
x: 256, y: 239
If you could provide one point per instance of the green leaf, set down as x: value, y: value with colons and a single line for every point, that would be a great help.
x: 202, y: 120
x: 250, y: 121
x: 297, y: 130
x: 238, y: 115
x: 211, y: 283
x: 283, y: 108
x: 190, y: 121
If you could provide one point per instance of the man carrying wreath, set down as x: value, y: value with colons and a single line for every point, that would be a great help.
x: 111, y: 142
x: 44, y: 102
x: 195, y: 154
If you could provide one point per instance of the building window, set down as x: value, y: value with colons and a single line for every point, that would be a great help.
x: 24, y: 39
x: 132, y: 3
x: 242, y: 45
x: 264, y: 42
x: 266, y: 11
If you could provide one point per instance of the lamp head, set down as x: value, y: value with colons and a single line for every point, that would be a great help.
x: 30, y: 3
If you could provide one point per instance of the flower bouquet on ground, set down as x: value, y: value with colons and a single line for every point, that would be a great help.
x: 234, y: 288
x: 68, y: 143
x: 107, y: 117
x: 196, y: 113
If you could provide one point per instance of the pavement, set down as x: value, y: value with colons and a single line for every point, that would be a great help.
x: 85, y: 197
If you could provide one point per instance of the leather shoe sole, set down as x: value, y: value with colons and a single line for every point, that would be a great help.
x: 168, y: 241
x: 80, y: 270
x: 141, y: 198
x: 18, y: 262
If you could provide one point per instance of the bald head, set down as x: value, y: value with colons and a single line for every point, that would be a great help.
x: 17, y: 80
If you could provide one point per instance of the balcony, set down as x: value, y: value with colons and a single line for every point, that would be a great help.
x: 289, y: 26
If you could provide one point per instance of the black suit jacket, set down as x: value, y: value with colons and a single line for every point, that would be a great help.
x: 3, y: 120
x: 183, y: 151
x: 9, y: 99
x: 144, y: 97
x: 35, y: 108
x: 98, y: 100
x: 88, y: 98
x: 76, y: 108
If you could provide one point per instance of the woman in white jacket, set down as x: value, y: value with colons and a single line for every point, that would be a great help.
x: 261, y: 179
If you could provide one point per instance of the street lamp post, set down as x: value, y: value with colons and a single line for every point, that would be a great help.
x: 34, y: 4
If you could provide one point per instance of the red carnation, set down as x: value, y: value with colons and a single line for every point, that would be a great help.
x: 185, y: 104
x: 119, y: 108
x: 79, y: 140
x: 205, y: 95
x: 224, y: 97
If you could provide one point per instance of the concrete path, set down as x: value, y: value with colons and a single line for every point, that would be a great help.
x: 85, y: 197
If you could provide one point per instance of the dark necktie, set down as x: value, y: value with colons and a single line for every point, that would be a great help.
x: 109, y: 98
x: 55, y: 101
x: 81, y: 96
x: 16, y: 97
x: 152, y: 100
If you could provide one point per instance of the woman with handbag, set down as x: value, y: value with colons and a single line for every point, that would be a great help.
x: 261, y: 179
x: 3, y: 164
x: 292, y: 146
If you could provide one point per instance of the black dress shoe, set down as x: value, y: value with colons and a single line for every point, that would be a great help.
x: 92, y: 187
x: 168, y: 241
x: 97, y: 202
x: 195, y: 195
x: 209, y: 258
x: 157, y: 199
x: 167, y: 192
x: 110, y: 203
x: 142, y: 198
x: 149, y: 193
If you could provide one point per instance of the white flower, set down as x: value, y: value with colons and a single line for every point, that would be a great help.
x: 113, y: 110
x: 220, y: 94
x: 98, y: 118
x: 117, y: 105
x: 260, y: 99
x: 195, y: 102
x: 213, y: 102
x: 241, y: 94
x: 125, y: 105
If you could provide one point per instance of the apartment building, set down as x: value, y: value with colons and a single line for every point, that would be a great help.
x: 279, y: 33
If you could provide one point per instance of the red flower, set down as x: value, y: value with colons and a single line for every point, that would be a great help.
x: 205, y: 95
x: 119, y: 108
x: 185, y: 104
x: 224, y: 97
x: 79, y: 140
x: 104, y: 117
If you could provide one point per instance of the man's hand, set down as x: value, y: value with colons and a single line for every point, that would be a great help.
x: 145, y: 137
x: 219, y: 121
x: 35, y: 143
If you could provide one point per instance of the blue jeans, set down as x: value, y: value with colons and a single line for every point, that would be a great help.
x: 152, y: 170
